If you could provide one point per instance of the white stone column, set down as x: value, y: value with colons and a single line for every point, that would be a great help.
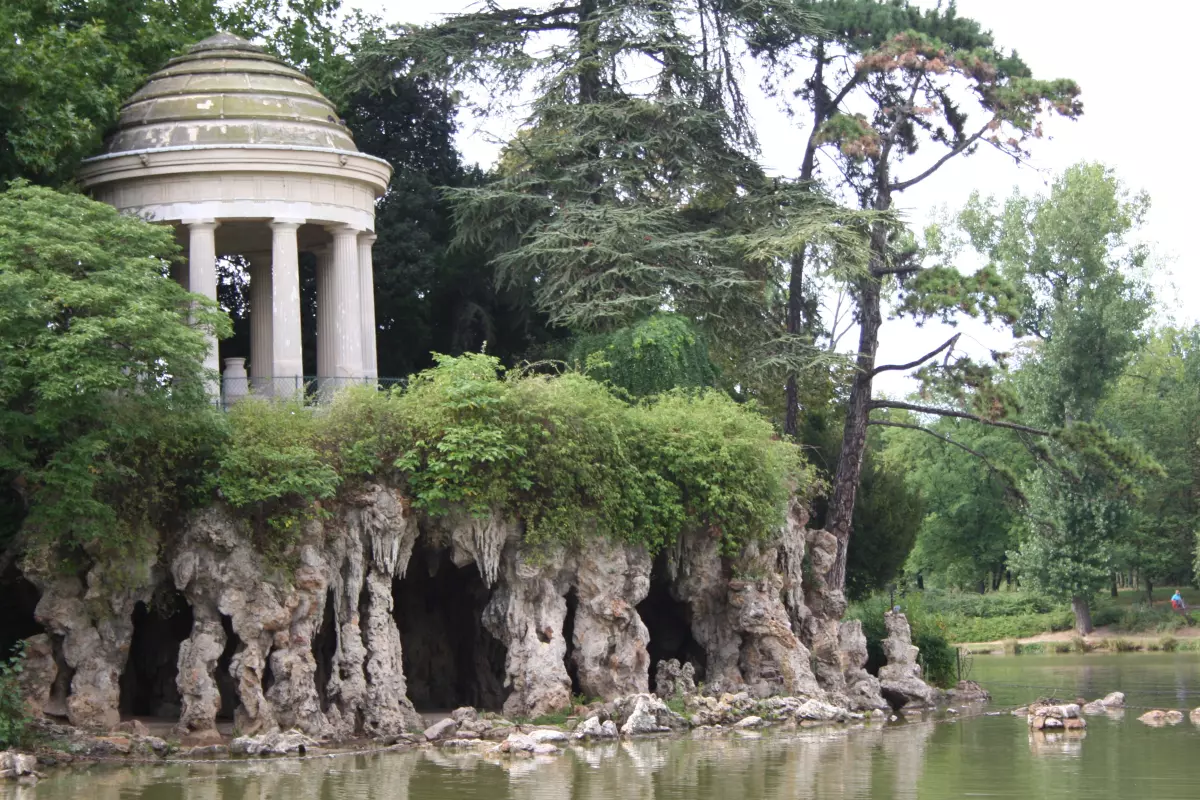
x: 261, y: 301
x: 202, y: 280
x: 347, y: 309
x: 366, y: 298
x: 326, y: 335
x: 287, y: 363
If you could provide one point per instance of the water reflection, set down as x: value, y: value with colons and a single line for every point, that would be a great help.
x: 992, y: 756
x: 773, y: 766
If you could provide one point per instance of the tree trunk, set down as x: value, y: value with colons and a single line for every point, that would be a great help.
x: 854, y: 434
x: 795, y: 322
x: 1113, y: 588
x: 1083, y: 615
x: 1149, y: 591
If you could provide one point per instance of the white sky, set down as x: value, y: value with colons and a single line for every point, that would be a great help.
x: 1130, y: 62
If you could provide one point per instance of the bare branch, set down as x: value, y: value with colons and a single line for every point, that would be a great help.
x: 900, y: 186
x: 991, y: 467
x: 945, y: 412
x: 948, y: 343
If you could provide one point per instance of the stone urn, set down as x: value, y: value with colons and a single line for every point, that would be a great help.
x: 235, y: 383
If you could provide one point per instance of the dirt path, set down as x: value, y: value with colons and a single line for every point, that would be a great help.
x: 1095, y: 639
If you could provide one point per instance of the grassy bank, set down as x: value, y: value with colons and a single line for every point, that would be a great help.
x: 967, y: 618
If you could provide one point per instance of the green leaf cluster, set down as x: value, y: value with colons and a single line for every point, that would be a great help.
x: 563, y: 454
x: 14, y: 715
x: 105, y: 425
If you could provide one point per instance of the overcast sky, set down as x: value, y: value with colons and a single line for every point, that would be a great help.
x: 1129, y: 61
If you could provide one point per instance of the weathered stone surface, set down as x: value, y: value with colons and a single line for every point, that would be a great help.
x: 672, y: 679
x: 196, y: 678
x: 442, y: 729
x: 544, y: 735
x: 94, y: 617
x: 1159, y: 717
x: 610, y: 638
x: 275, y: 743
x: 592, y: 728
x: 38, y: 673
x: 969, y: 692
x: 1111, y: 701
x: 1051, y: 716
x: 526, y: 613
x: 700, y: 578
x: 644, y: 713
x: 862, y: 689
x: 772, y: 659
x: 817, y: 612
x: 1194, y: 716
x: 900, y: 679
x: 16, y: 766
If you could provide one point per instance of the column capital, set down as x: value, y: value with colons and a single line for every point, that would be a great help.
x: 367, y: 237
x: 201, y: 224
x: 342, y: 230
x: 284, y: 223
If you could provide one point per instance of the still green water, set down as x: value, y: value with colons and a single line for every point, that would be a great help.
x: 974, y: 756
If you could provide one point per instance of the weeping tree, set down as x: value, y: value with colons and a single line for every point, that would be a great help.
x: 895, y: 94
x: 632, y: 185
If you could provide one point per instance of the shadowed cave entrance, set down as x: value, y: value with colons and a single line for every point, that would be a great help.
x: 18, y: 599
x: 450, y: 659
x: 669, y: 622
x: 148, y: 683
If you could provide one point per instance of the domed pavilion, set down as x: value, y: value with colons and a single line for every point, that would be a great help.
x: 243, y: 156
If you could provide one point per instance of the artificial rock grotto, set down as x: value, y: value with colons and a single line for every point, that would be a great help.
x: 379, y: 608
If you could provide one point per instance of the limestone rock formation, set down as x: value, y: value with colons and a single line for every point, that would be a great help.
x: 527, y: 613
x: 862, y: 691
x: 672, y: 679
x: 93, y: 617
x: 38, y: 673
x: 900, y: 679
x: 307, y: 634
x: 610, y: 638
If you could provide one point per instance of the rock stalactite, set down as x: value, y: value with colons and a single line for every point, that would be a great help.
x: 309, y: 639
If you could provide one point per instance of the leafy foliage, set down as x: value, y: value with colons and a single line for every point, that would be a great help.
x: 14, y: 715
x: 659, y: 353
x: 105, y: 421
x: 562, y: 454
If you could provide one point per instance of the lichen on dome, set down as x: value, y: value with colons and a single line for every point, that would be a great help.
x: 228, y: 91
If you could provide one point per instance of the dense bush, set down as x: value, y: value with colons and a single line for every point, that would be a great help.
x: 563, y: 454
x: 14, y: 717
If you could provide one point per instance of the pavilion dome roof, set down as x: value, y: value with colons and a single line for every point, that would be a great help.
x: 226, y: 91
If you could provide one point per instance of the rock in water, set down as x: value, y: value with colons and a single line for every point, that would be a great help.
x: 442, y: 729
x: 15, y: 766
x: 900, y: 679
x: 1159, y: 717
x: 272, y: 744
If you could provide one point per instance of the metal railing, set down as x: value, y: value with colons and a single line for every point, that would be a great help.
x: 301, y: 388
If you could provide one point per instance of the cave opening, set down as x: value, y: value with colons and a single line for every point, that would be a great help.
x: 226, y: 684
x: 569, y: 636
x: 669, y: 622
x: 450, y: 658
x: 324, y: 648
x: 19, y: 599
x: 147, y: 684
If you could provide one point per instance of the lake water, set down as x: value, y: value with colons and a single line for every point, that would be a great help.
x: 973, y: 756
